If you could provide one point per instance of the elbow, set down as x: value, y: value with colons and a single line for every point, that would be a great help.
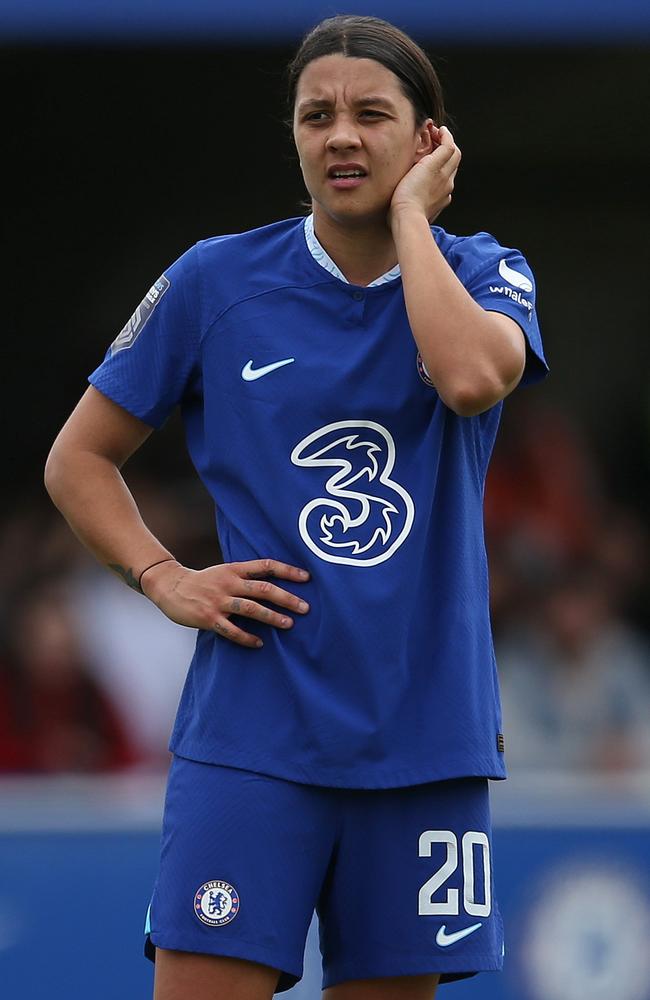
x: 483, y: 380
x: 52, y: 474
x: 465, y: 402
x: 468, y: 399
x: 61, y: 470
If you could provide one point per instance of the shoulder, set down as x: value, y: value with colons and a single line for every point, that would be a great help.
x: 231, y: 249
x: 468, y: 255
x: 235, y: 268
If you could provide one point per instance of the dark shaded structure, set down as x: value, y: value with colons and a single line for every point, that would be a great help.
x: 121, y: 158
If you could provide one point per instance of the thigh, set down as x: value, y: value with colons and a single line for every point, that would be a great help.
x: 411, y: 893
x: 387, y: 988
x: 242, y: 860
x: 179, y: 975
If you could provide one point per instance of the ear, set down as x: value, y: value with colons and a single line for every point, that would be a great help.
x: 426, y: 141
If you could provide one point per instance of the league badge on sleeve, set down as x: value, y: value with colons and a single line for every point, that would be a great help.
x: 130, y: 333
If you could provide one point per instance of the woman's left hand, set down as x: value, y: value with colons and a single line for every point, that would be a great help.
x: 428, y: 185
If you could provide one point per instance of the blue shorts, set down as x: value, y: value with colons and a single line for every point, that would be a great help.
x: 401, y: 878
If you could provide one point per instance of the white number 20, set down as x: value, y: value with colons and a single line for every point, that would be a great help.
x: 449, y: 905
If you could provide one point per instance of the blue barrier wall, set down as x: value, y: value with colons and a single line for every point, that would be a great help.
x: 76, y: 870
x: 142, y: 22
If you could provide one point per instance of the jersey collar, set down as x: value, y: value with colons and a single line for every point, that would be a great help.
x: 323, y: 258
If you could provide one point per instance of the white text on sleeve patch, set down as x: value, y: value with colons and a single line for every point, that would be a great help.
x: 130, y: 333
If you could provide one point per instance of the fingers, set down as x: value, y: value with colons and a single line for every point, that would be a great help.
x: 227, y: 630
x: 447, y: 152
x: 245, y: 586
x: 449, y: 168
x: 445, y: 137
x: 266, y: 591
x: 255, y: 568
x: 434, y: 132
x: 450, y: 164
x: 441, y: 135
x: 250, y: 609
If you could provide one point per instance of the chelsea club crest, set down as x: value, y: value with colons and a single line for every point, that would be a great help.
x: 216, y: 903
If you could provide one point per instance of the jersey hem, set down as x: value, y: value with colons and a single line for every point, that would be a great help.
x: 335, y: 778
x: 541, y: 367
x: 111, y: 393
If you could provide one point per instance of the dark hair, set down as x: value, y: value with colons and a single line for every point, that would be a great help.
x: 372, y: 38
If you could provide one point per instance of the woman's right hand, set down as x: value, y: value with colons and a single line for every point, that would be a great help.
x: 206, y: 598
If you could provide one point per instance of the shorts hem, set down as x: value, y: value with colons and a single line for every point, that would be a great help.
x: 290, y: 971
x: 449, y: 970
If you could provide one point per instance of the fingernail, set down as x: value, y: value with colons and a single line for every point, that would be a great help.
x: 285, y: 622
x: 303, y: 606
x: 259, y: 643
x: 304, y: 574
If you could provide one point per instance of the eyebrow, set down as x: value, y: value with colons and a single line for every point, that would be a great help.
x: 320, y: 102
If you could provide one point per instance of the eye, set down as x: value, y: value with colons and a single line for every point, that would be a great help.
x: 315, y: 116
x: 373, y: 114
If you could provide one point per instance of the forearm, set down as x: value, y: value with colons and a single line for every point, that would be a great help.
x: 91, y: 494
x: 470, y: 359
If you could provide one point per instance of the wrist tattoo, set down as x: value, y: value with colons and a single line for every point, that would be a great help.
x: 127, y: 575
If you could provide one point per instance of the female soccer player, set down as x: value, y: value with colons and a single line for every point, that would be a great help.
x: 340, y: 379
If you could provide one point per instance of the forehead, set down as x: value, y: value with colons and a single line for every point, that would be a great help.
x: 347, y: 79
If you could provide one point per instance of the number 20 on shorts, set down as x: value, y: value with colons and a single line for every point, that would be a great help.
x: 450, y: 905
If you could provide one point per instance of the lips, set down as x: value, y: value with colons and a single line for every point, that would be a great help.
x: 342, y: 176
x: 341, y: 171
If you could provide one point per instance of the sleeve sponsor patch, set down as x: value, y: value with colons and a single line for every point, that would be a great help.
x: 516, y: 283
x: 130, y: 333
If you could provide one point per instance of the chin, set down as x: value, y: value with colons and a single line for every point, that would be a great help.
x: 351, y: 213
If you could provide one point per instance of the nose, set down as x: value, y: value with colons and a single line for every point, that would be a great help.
x: 343, y: 135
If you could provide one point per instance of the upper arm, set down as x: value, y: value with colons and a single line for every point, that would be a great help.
x: 99, y: 426
x: 514, y: 348
x: 500, y: 280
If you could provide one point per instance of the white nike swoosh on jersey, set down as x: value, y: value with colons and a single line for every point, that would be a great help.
x: 444, y: 940
x: 515, y: 278
x: 250, y: 374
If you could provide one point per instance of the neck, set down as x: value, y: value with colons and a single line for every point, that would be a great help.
x: 362, y: 252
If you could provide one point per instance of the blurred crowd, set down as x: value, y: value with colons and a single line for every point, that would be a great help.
x: 569, y: 601
x: 91, y: 672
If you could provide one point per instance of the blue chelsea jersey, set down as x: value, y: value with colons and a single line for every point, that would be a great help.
x: 312, y: 422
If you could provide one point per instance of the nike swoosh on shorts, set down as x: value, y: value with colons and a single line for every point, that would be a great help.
x: 443, y: 940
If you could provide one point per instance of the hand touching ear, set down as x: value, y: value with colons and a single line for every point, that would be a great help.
x: 428, y: 185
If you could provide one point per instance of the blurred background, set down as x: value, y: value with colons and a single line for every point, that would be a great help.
x: 131, y: 132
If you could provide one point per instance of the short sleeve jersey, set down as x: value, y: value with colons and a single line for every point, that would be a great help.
x: 312, y: 421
